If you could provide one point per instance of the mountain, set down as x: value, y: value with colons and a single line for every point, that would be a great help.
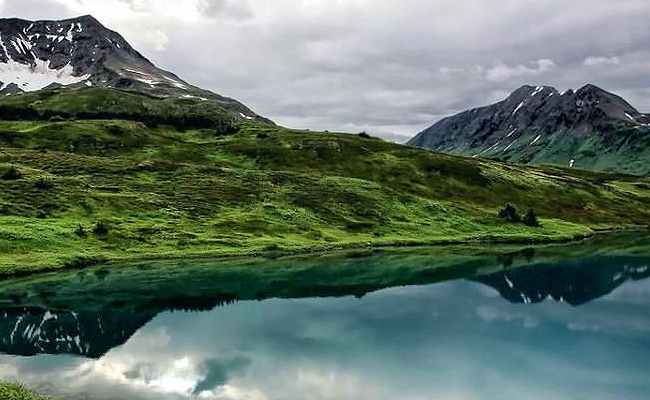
x: 81, y: 52
x: 589, y: 128
x: 576, y: 282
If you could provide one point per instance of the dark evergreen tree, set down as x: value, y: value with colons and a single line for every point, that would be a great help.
x: 510, y: 214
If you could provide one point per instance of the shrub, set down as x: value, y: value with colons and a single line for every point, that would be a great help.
x: 226, y: 128
x: 11, y: 174
x: 262, y: 135
x: 531, y: 219
x: 510, y: 214
x: 272, y: 247
x: 364, y: 135
x: 100, y: 229
x: 80, y: 231
x: 116, y: 129
x: 44, y: 184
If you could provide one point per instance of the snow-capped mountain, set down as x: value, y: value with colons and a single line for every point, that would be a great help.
x: 588, y: 128
x: 81, y: 51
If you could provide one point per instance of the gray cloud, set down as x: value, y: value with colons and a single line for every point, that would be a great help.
x: 217, y: 373
x: 236, y: 9
x: 389, y: 67
x: 146, y: 6
x: 34, y: 9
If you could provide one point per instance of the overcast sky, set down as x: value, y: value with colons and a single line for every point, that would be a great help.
x: 384, y: 66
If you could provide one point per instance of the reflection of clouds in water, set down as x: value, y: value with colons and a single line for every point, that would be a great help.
x: 492, y: 314
x: 634, y: 292
x: 448, y: 341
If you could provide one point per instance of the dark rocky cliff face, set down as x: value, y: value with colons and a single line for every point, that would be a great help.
x: 82, y: 52
x: 588, y: 128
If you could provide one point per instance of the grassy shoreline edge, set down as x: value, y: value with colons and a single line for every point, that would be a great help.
x: 81, y: 262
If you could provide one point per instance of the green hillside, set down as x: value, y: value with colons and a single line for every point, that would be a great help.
x: 96, y: 174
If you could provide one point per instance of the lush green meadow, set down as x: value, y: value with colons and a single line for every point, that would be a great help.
x: 82, y: 188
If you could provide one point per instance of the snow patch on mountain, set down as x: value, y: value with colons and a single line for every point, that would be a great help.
x: 30, y: 77
x: 536, y: 139
x: 518, y: 107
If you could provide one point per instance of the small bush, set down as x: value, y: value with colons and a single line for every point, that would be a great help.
x: 116, y: 129
x: 510, y: 214
x: 11, y: 174
x: 100, y: 229
x: 531, y: 219
x: 364, y: 135
x: 44, y: 184
x: 272, y: 247
x: 262, y: 135
x: 80, y: 231
x: 225, y: 128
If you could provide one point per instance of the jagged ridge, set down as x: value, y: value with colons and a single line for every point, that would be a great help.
x: 588, y: 128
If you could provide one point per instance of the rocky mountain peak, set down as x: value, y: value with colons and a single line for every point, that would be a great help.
x: 539, y: 124
x: 81, y: 52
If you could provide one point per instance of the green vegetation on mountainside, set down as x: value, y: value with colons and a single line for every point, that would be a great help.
x: 98, y: 103
x: 159, y: 191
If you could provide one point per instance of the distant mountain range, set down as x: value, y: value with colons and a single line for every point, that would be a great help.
x: 82, y: 52
x: 588, y: 128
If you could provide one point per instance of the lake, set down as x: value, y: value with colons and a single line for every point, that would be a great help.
x: 467, y: 322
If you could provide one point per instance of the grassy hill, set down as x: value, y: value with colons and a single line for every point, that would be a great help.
x: 85, y: 179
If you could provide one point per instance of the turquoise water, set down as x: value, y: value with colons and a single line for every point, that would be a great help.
x: 571, y: 329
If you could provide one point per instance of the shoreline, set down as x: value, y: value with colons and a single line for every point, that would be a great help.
x: 82, y: 263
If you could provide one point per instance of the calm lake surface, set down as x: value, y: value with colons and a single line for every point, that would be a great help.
x: 556, y: 322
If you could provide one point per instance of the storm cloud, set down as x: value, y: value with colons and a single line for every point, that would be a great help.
x: 390, y: 68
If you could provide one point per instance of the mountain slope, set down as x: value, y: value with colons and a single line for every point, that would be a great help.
x: 82, y: 52
x: 80, y: 183
x: 589, y: 128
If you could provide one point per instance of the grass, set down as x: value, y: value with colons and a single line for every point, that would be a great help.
x: 13, y: 391
x: 166, y: 192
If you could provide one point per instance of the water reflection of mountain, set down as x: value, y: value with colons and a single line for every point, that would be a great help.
x: 575, y: 282
x: 31, y: 332
x: 28, y: 332
x: 89, y: 312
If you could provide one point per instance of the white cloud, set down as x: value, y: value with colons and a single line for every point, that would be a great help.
x: 234, y: 9
x: 501, y: 72
x: 156, y: 40
x: 604, y: 61
x: 140, y: 5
